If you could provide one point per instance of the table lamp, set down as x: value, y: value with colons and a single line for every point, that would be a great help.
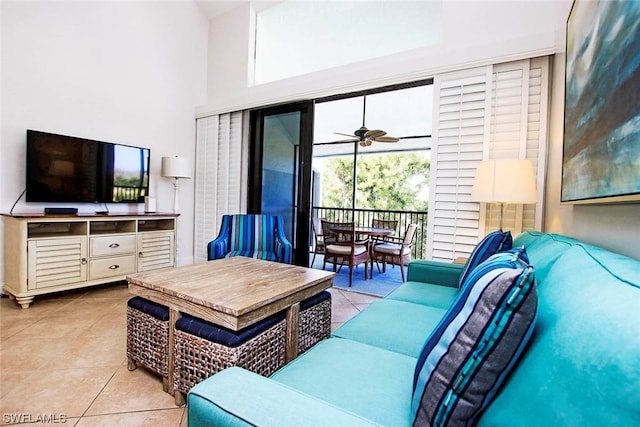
x: 176, y: 168
x: 505, y: 181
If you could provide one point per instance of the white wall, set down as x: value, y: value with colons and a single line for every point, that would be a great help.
x: 474, y: 33
x: 614, y: 227
x: 125, y: 72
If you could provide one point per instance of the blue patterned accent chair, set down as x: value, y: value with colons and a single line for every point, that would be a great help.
x: 254, y: 236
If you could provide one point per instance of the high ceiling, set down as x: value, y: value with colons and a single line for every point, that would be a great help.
x: 213, y: 8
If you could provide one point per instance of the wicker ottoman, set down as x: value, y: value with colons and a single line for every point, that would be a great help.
x: 148, y: 337
x: 203, y: 349
x: 314, y: 324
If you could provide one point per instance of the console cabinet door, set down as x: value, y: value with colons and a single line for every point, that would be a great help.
x: 54, y: 262
x: 156, y: 249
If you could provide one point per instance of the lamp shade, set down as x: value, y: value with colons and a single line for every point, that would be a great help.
x: 505, y: 181
x: 176, y: 167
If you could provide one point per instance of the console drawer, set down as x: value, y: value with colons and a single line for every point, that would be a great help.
x: 112, y: 245
x: 112, y: 266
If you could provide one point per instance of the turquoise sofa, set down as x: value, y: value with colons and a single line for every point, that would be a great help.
x: 581, y: 367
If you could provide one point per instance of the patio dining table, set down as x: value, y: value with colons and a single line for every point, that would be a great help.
x: 368, y: 231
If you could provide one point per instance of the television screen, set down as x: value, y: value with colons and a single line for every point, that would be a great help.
x: 77, y: 170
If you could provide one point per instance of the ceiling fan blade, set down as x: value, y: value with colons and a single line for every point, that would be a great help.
x: 345, y: 134
x: 374, y: 133
x: 386, y: 139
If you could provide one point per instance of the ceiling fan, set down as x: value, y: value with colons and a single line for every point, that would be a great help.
x: 365, y: 136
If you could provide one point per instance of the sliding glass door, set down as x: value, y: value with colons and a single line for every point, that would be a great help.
x: 280, y: 172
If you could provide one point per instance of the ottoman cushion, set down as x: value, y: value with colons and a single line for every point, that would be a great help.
x: 226, y: 337
x: 151, y: 308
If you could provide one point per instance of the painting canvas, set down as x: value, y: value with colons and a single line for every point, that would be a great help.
x: 601, y: 157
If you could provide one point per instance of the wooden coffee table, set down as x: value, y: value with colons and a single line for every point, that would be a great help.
x: 233, y: 293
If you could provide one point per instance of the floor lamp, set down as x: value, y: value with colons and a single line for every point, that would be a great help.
x: 503, y: 182
x: 176, y: 168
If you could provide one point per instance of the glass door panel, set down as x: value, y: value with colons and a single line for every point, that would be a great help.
x: 280, y: 174
x: 281, y: 139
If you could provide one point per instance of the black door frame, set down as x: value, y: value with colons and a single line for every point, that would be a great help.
x: 303, y: 196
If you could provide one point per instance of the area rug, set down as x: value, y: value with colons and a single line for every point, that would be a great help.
x: 381, y: 285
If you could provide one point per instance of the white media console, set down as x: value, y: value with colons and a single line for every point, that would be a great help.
x: 51, y: 253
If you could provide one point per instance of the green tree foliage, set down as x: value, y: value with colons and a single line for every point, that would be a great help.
x: 385, y: 181
x: 121, y: 181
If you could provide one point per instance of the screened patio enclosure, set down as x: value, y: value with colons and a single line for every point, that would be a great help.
x: 385, y: 189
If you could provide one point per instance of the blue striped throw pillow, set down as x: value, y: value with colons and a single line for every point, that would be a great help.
x: 477, y: 342
x: 494, y: 242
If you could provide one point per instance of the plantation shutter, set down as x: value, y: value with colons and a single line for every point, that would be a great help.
x: 460, y: 114
x: 494, y: 112
x: 519, y: 105
x: 221, y: 175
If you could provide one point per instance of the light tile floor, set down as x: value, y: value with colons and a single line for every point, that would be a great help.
x: 64, y: 359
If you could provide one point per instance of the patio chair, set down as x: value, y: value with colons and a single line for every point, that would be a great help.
x: 254, y: 236
x: 390, y: 224
x: 395, y: 251
x: 318, y: 245
x: 341, y: 248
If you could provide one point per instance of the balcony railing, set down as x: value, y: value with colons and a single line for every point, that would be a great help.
x: 363, y: 218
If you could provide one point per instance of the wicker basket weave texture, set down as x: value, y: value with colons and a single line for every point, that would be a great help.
x: 148, y: 341
x: 196, y: 359
x: 314, y: 325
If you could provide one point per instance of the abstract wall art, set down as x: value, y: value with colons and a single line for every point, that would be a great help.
x: 601, y: 155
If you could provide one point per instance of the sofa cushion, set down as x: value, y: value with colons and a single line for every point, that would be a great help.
x: 393, y: 325
x: 237, y: 397
x: 491, y: 244
x: 478, y: 341
x: 368, y: 381
x: 543, y: 250
x: 425, y: 293
x: 582, y: 365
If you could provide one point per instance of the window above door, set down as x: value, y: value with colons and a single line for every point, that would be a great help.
x: 294, y: 38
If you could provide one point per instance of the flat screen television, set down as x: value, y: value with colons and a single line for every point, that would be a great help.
x: 78, y: 170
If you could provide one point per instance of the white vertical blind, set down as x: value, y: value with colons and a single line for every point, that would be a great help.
x: 537, y: 132
x: 519, y: 105
x: 493, y: 112
x: 206, y: 157
x: 460, y: 108
x: 221, y: 175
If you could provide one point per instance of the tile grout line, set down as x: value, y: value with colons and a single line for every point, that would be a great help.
x: 137, y: 411
x: 99, y: 393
